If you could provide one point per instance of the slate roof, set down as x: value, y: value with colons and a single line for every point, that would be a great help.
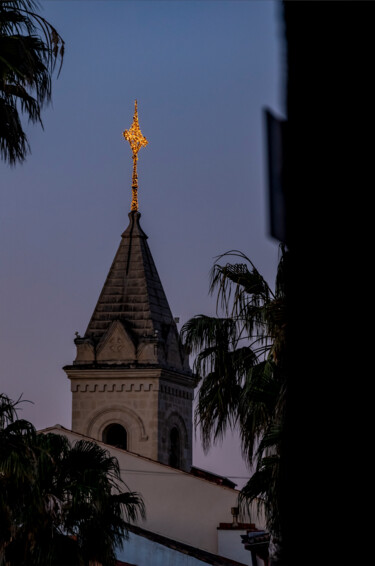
x: 132, y: 291
x: 133, y: 294
x: 202, y: 555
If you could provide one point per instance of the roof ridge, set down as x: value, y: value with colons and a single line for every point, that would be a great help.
x: 157, y: 462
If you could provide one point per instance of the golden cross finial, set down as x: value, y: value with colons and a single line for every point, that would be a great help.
x: 137, y: 140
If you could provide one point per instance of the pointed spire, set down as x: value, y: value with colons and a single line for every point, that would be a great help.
x: 137, y: 140
x: 132, y: 322
x: 134, y: 296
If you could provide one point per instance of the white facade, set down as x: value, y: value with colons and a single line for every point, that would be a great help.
x: 179, y: 506
x: 230, y: 546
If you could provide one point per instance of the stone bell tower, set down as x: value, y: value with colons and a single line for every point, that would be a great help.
x: 131, y: 382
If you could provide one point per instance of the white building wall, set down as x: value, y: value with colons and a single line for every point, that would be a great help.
x: 179, y: 505
x: 230, y: 546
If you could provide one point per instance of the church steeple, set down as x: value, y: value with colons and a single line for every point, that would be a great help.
x: 133, y: 296
x: 131, y: 377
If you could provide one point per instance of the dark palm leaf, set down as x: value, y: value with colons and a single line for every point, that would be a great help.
x: 57, y: 501
x: 208, y: 331
x: 29, y: 49
x: 240, y: 358
x: 262, y: 488
x: 248, y: 284
x: 217, y: 406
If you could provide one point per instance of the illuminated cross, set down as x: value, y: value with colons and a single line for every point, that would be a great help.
x: 137, y: 140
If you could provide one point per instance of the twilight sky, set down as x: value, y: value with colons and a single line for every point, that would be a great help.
x: 202, y: 72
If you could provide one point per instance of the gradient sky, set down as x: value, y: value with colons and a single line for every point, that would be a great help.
x: 202, y: 72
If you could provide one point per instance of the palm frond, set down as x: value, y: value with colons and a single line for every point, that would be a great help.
x: 236, y: 278
x: 240, y: 358
x: 132, y: 505
x: 216, y: 410
x: 30, y: 48
x: 206, y: 331
x: 51, y: 491
x: 263, y: 489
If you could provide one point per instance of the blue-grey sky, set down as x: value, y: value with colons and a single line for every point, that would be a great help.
x: 202, y: 72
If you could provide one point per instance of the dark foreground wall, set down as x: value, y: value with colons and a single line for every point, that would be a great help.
x: 328, y: 514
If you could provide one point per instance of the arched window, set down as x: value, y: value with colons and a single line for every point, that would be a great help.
x: 174, y: 448
x: 115, y: 435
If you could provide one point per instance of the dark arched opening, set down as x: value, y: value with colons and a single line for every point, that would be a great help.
x: 174, y: 448
x: 115, y: 435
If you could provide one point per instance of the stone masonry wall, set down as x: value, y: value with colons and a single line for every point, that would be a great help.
x: 131, y: 402
x: 175, y: 410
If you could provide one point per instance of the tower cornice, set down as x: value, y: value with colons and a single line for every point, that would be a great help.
x: 91, y: 372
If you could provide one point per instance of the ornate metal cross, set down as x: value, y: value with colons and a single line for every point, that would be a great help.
x: 137, y: 140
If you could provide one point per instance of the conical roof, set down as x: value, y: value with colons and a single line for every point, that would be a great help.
x: 133, y: 296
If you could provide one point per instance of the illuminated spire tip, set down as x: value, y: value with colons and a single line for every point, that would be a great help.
x: 137, y: 140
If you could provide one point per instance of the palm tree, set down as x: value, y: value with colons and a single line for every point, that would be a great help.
x: 60, y: 503
x: 29, y: 50
x: 241, y: 360
x: 98, y: 503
